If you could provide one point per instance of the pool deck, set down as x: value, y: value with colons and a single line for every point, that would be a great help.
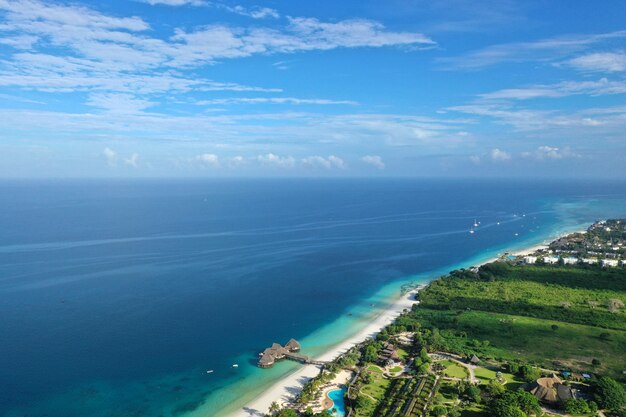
x: 337, y: 383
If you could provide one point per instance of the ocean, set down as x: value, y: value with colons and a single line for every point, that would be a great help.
x: 116, y: 296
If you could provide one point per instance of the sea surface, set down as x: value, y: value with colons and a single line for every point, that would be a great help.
x: 117, y: 296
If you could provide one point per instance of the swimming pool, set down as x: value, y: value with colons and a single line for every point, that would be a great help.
x: 339, y: 405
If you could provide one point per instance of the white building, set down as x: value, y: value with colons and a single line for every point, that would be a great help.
x: 530, y: 259
x: 590, y: 261
x: 551, y: 259
x: 570, y: 261
x: 610, y: 262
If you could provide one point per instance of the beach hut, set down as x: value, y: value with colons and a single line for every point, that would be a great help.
x: 267, y: 358
x: 293, y: 346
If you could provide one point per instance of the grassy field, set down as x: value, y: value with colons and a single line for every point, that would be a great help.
x: 569, y: 294
x: 511, y: 337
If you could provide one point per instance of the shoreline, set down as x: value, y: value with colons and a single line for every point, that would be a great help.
x: 285, y: 390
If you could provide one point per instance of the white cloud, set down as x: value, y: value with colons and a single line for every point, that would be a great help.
x: 274, y: 100
x: 236, y: 161
x: 600, y: 62
x: 543, y: 50
x: 551, y: 152
x: 120, y: 60
x: 602, y: 86
x: 118, y: 102
x: 209, y: 159
x: 110, y: 156
x: 132, y: 160
x: 475, y: 159
x: 320, y: 162
x: 255, y: 12
x: 374, y: 160
x: 20, y: 42
x: 499, y: 155
x: 175, y: 2
x: 337, y: 162
x: 271, y: 159
x: 217, y: 42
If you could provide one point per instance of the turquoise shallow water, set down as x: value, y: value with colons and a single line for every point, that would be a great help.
x: 118, y: 296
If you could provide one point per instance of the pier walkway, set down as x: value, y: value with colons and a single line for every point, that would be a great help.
x: 303, y: 358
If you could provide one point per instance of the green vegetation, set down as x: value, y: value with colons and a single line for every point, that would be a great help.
x: 541, y: 313
x: 580, y: 407
x: 509, y: 337
x: 454, y: 370
x: 610, y: 394
x: 589, y: 296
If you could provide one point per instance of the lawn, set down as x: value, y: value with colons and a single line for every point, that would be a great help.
x: 396, y: 369
x: 484, y: 374
x: 374, y: 368
x: 454, y: 370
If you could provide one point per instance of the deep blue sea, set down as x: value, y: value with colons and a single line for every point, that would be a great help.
x: 116, y: 296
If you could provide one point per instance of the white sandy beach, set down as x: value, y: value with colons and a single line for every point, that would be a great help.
x: 285, y: 390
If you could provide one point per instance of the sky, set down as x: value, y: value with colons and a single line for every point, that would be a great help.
x: 417, y: 88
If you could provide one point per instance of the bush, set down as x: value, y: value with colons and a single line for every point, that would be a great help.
x: 578, y: 407
x: 529, y: 374
x: 610, y: 394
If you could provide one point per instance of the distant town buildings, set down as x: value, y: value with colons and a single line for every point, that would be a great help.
x: 604, y: 243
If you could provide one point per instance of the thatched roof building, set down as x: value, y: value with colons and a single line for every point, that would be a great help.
x: 293, y: 345
x: 277, y: 352
x: 551, y: 390
x: 267, y: 358
x: 475, y: 360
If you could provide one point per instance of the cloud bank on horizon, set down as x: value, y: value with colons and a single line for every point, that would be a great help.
x: 240, y: 88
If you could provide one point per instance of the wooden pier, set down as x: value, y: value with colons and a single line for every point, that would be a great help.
x: 277, y: 352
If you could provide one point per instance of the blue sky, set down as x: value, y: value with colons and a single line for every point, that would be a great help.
x: 202, y: 88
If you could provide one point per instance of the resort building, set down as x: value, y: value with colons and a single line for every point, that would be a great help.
x: 610, y: 262
x: 474, y: 360
x: 551, y: 390
x: 551, y: 259
x: 277, y: 352
x: 570, y: 261
x: 293, y: 346
x: 389, y: 354
x: 530, y: 259
x: 590, y: 261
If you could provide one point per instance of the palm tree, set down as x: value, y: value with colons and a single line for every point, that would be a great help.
x: 274, y: 408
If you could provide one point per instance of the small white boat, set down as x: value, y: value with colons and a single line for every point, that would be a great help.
x: 235, y: 365
x: 498, y: 223
x: 210, y: 371
x: 475, y: 223
x: 472, y: 231
x: 516, y: 234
